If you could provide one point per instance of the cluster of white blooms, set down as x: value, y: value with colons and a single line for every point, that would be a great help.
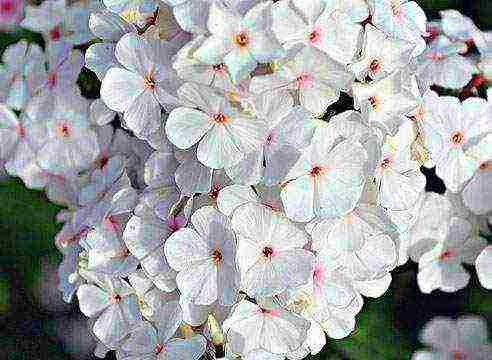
x: 252, y: 168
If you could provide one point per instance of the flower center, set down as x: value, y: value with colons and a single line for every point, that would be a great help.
x: 314, y: 36
x: 63, y: 130
x: 316, y: 171
x: 21, y: 130
x: 486, y: 166
x: 458, y: 355
x: 269, y: 139
x: 385, y: 163
x: 375, y: 66
x: 216, y: 256
x: 55, y: 33
x: 396, y: 9
x: 268, y: 252
x: 241, y: 39
x: 374, y: 102
x: 102, y: 162
x: 159, y: 348
x: 52, y: 79
x: 220, y: 118
x: 457, y: 137
x: 115, y: 299
x: 269, y: 312
x: 149, y: 81
x: 7, y: 7
x: 304, y: 81
x: 175, y: 223
x: 111, y: 223
x: 219, y: 67
x: 447, y: 255
x: 319, y: 274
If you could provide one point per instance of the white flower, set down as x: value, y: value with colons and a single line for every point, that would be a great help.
x: 386, y: 102
x: 270, y: 251
x: 401, y: 19
x: 64, y: 66
x: 381, y: 55
x: 204, y: 258
x: 150, y: 343
x: 441, y: 267
x: 450, y: 127
x: 70, y: 143
x: 115, y: 304
x: 196, y: 315
x: 317, y: 24
x: 316, y: 78
x: 146, y: 82
x: 327, y: 180
x: 464, y: 338
x: 232, y: 197
x: 240, y: 42
x: 483, y: 264
x: 290, y: 129
x: 274, y: 330
x: 192, y: 69
x: 398, y: 175
x: 442, y: 64
x: 20, y: 139
x: 22, y: 73
x: 456, y: 26
x: 224, y: 135
x: 58, y: 21
x: 363, y: 242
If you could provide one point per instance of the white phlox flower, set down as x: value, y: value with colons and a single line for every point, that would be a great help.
x: 274, y: 330
x: 483, y: 265
x: 204, y: 257
x: 328, y: 178
x: 223, y: 134
x: 269, y: 247
x: 240, y: 42
x: 144, y: 84
x: 318, y: 24
x: 315, y: 78
x: 463, y: 338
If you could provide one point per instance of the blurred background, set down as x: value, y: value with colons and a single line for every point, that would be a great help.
x: 35, y: 323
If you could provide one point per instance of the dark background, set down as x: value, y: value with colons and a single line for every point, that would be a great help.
x: 36, y: 324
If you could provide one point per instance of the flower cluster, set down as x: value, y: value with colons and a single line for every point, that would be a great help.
x: 252, y: 168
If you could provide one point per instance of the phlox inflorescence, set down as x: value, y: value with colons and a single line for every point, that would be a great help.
x: 252, y: 169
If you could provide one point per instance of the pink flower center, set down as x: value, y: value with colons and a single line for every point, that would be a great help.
x: 304, y: 81
x: 269, y: 312
x: 314, y: 36
x: 447, y: 255
x: 102, y: 161
x: 55, y: 33
x: 115, y: 299
x: 63, y: 130
x: 374, y: 101
x: 159, y: 348
x: 219, y: 68
x: 486, y: 166
x: 175, y: 223
x: 241, y: 39
x: 220, y: 118
x: 385, y: 163
x: 457, y: 137
x: 111, y: 223
x: 7, y: 7
x: 316, y: 171
x: 216, y: 256
x: 375, y: 66
x: 396, y: 10
x: 319, y: 274
x: 149, y: 80
x: 435, y: 56
x: 458, y: 355
x: 21, y: 130
x: 269, y: 139
x: 268, y: 252
x: 214, y: 192
x: 52, y: 79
